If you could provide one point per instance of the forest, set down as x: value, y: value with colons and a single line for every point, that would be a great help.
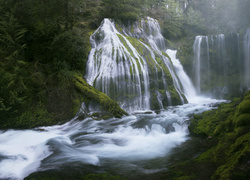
x: 44, y: 51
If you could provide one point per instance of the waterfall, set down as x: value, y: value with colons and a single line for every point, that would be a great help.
x: 222, y: 53
x: 157, y: 42
x: 208, y: 74
x: 247, y: 58
x: 205, y: 67
x: 187, y: 85
x: 130, y: 65
x: 218, y: 66
x: 116, y: 68
x: 197, y: 62
x: 239, y: 63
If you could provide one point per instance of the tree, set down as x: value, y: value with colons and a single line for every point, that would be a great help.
x: 172, y: 24
x: 123, y: 10
x: 12, y: 83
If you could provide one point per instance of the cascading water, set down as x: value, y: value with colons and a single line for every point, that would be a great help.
x: 117, y: 70
x: 219, y: 69
x: 197, y: 62
x: 213, y: 57
x: 132, y: 72
x: 247, y: 58
x: 187, y: 85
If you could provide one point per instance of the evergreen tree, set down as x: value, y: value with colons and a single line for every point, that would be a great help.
x: 123, y: 10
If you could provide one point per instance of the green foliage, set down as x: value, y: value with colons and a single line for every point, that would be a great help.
x: 193, y: 23
x: 11, y: 37
x: 34, y: 117
x: 13, y: 91
x: 40, y: 41
x: 124, y: 10
x: 223, y: 15
x: 101, y: 177
x: 172, y: 25
x: 70, y: 50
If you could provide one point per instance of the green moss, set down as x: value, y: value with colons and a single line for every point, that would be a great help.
x: 118, y: 27
x: 136, y: 43
x: 76, y: 103
x: 229, y: 125
x: 244, y: 107
x: 101, y: 177
x: 206, y: 126
x: 215, y: 122
x: 93, y: 94
x: 243, y: 120
x: 154, y: 104
x: 186, y: 178
x: 235, y: 153
x: 125, y: 44
x: 138, y: 65
x: 206, y: 156
x: 168, y: 75
x: 132, y: 29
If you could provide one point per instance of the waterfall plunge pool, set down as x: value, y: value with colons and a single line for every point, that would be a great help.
x: 133, y: 146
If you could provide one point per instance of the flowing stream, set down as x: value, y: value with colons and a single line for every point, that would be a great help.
x: 113, y: 145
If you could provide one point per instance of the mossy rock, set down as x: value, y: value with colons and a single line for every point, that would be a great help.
x: 243, y: 120
x: 228, y: 126
x: 93, y: 94
x: 102, y: 177
x: 244, y: 106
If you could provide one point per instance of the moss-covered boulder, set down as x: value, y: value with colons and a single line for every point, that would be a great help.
x: 91, y: 94
x: 226, y: 129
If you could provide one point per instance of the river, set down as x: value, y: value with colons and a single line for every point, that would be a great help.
x: 119, y: 146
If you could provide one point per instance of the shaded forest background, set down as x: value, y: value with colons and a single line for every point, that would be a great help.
x: 43, y: 43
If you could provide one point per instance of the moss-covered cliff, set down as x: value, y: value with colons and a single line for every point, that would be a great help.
x: 227, y: 131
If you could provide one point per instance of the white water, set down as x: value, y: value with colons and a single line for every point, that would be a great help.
x: 197, y: 62
x: 141, y: 137
x: 187, y: 85
x: 157, y: 43
x: 114, y: 70
x: 119, y: 64
x: 210, y: 72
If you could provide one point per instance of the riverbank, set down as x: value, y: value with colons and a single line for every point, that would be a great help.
x: 226, y: 129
